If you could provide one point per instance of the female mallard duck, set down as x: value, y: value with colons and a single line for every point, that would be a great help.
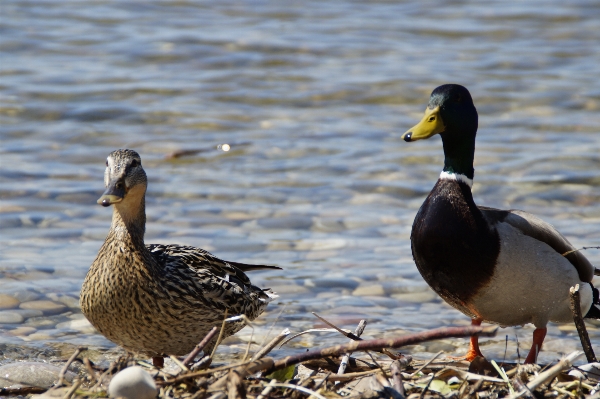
x: 503, y: 267
x: 156, y: 299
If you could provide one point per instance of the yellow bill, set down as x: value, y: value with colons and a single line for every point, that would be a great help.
x: 430, y: 125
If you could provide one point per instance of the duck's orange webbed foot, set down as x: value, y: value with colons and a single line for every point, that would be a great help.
x: 473, y: 351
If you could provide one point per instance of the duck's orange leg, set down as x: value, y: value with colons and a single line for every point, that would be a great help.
x: 538, y: 338
x: 474, y: 344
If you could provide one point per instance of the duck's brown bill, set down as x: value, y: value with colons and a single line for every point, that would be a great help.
x: 430, y: 125
x: 113, y: 194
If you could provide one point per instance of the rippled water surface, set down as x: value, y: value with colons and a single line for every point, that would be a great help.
x: 312, y: 98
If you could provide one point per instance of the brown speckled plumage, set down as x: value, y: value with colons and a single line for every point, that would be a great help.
x: 159, y: 299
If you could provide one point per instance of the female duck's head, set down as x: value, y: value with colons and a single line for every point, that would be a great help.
x: 124, y: 178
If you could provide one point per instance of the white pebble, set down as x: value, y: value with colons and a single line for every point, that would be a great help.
x: 132, y: 383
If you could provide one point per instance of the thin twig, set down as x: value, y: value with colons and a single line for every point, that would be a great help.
x: 397, y: 377
x: 549, y: 374
x: 189, y: 358
x: 577, y: 250
x: 344, y: 333
x: 267, y: 389
x: 427, y: 363
x: 220, y: 334
x: 90, y: 370
x: 299, y: 388
x: 179, y: 363
x: 72, y: 390
x: 264, y: 351
x: 578, y: 318
x: 63, y: 372
x: 422, y: 395
x: 358, y: 332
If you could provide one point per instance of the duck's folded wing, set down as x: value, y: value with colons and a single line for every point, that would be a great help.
x: 203, y: 261
x: 535, y: 227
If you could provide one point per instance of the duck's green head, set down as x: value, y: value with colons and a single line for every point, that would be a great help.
x: 451, y: 114
x: 123, y: 177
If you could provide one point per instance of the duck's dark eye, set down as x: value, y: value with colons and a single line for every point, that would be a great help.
x: 107, y: 162
x: 135, y: 163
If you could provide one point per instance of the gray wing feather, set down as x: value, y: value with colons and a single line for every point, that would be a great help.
x: 535, y: 227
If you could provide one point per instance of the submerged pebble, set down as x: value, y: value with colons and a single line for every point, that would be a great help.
x: 47, y: 307
x: 10, y: 317
x: 8, y: 301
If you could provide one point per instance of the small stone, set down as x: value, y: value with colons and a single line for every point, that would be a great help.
x: 26, y: 295
x: 331, y: 282
x: 36, y: 374
x: 132, y: 383
x: 28, y: 313
x: 414, y: 297
x: 38, y: 336
x: 21, y: 331
x: 81, y: 325
x: 8, y: 317
x: 67, y: 300
x: 48, y: 307
x: 369, y: 290
x: 8, y: 301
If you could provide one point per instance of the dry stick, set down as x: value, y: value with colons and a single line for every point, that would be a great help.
x: 179, y: 363
x: 189, y: 358
x: 72, y: 390
x: 358, y: 332
x: 90, y: 369
x: 299, y: 388
x: 397, y: 377
x: 344, y: 333
x: 422, y: 395
x: 577, y: 250
x: 476, y: 387
x: 375, y: 344
x: 220, y: 334
x: 267, y: 389
x: 63, y: 372
x: 264, y: 351
x: 549, y: 374
x: 243, y: 371
x: 577, y: 317
x: 427, y: 363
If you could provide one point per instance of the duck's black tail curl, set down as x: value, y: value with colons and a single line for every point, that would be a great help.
x: 594, y: 312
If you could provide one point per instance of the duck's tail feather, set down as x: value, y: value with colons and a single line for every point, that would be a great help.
x: 248, y: 268
x: 594, y: 312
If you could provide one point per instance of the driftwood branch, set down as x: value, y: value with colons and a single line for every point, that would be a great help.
x: 579, y: 323
x: 375, y: 344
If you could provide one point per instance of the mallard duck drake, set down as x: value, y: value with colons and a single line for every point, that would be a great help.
x: 498, y: 266
x: 159, y: 300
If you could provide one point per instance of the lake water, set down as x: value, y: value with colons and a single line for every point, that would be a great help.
x: 312, y: 98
